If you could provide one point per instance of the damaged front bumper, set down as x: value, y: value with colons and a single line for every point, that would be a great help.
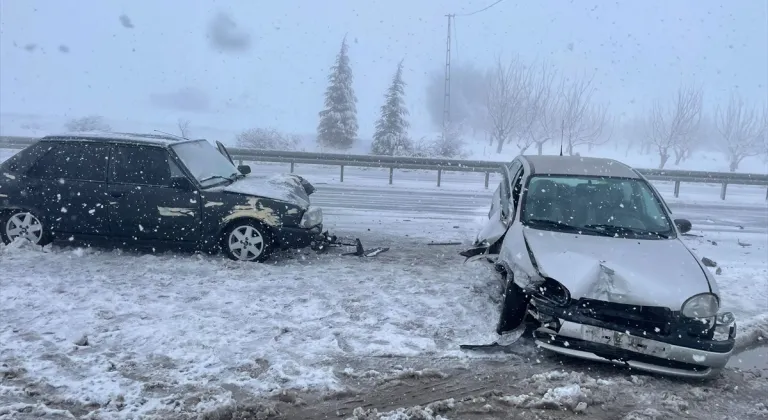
x: 673, y: 347
x: 297, y: 237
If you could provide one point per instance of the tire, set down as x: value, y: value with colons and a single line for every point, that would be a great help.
x: 514, y: 307
x: 248, y: 241
x: 20, y: 223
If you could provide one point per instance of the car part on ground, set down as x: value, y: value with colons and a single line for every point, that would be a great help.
x: 322, y: 242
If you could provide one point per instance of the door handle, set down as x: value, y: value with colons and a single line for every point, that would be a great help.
x: 116, y: 194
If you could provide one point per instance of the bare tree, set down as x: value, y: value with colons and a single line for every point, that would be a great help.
x: 183, y: 125
x: 267, y: 139
x: 541, y: 117
x: 673, y: 128
x: 506, y: 99
x: 581, y: 121
x: 89, y: 123
x: 742, y: 129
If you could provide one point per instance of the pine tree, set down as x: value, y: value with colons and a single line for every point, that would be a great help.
x: 391, y: 136
x: 338, y: 121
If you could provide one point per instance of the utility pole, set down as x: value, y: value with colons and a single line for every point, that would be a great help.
x: 447, y: 88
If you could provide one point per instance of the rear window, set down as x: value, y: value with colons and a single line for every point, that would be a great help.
x: 23, y: 159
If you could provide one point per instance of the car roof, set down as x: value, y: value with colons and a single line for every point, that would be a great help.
x: 578, y: 165
x: 162, y: 140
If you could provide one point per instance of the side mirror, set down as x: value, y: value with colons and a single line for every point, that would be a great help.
x: 244, y: 169
x: 181, y: 183
x: 683, y: 225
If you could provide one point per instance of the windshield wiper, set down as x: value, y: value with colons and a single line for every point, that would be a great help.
x: 566, y: 227
x: 634, y: 231
x: 216, y: 177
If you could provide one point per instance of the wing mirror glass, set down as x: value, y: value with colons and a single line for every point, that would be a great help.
x: 244, y: 169
x: 683, y: 225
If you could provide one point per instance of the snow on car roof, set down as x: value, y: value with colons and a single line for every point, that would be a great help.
x: 578, y: 165
x: 158, y: 139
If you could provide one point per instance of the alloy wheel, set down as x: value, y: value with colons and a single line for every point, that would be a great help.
x: 24, y: 225
x: 246, y: 243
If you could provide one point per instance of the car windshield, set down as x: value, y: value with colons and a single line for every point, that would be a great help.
x: 598, y: 206
x: 205, y: 163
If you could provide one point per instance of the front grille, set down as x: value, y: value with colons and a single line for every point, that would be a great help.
x: 651, y: 320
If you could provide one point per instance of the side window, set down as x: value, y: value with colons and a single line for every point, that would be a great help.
x: 140, y: 166
x: 175, y: 170
x: 23, y: 159
x: 73, y: 161
x: 651, y: 206
x: 508, y: 203
x: 517, y: 189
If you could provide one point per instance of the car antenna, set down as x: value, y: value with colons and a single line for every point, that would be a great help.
x: 562, y: 133
x: 172, y: 135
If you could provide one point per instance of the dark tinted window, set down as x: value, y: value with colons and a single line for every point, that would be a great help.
x: 73, y: 161
x: 141, y: 165
x: 21, y: 160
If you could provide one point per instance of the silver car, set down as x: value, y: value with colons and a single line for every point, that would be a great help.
x: 588, y: 252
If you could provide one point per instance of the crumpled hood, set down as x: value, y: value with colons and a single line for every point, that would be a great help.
x: 637, y: 272
x: 283, y: 187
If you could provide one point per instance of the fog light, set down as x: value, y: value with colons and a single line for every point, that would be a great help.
x: 725, y: 318
x: 725, y: 326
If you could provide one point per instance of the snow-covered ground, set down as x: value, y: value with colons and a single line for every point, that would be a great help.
x: 163, y: 328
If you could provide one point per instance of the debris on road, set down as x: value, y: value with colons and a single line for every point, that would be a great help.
x: 324, y: 241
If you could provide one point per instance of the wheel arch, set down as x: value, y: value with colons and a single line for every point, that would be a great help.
x: 11, y: 208
x: 224, y: 226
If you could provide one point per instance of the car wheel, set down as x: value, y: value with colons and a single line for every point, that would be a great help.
x: 248, y: 241
x: 23, y: 224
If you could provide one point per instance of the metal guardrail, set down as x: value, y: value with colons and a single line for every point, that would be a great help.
x: 440, y: 165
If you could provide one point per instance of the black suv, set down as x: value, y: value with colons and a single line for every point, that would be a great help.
x: 139, y: 189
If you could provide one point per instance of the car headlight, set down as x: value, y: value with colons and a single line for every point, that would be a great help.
x: 311, y: 218
x: 704, y: 305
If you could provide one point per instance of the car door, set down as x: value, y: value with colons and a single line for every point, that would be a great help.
x: 145, y: 203
x: 501, y: 213
x: 68, y: 184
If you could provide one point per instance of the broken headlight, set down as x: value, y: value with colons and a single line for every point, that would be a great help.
x: 704, y: 305
x: 311, y: 218
x: 553, y: 291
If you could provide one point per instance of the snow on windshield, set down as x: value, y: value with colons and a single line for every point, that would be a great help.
x: 203, y: 160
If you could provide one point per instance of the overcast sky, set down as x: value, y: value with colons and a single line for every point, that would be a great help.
x: 154, y: 60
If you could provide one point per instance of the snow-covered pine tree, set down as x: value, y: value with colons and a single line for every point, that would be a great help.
x: 338, y: 121
x: 391, y: 135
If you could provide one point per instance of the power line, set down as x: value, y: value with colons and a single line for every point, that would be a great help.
x: 481, y: 10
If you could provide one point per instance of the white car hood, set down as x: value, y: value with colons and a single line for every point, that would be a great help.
x: 632, y: 271
x: 286, y: 188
